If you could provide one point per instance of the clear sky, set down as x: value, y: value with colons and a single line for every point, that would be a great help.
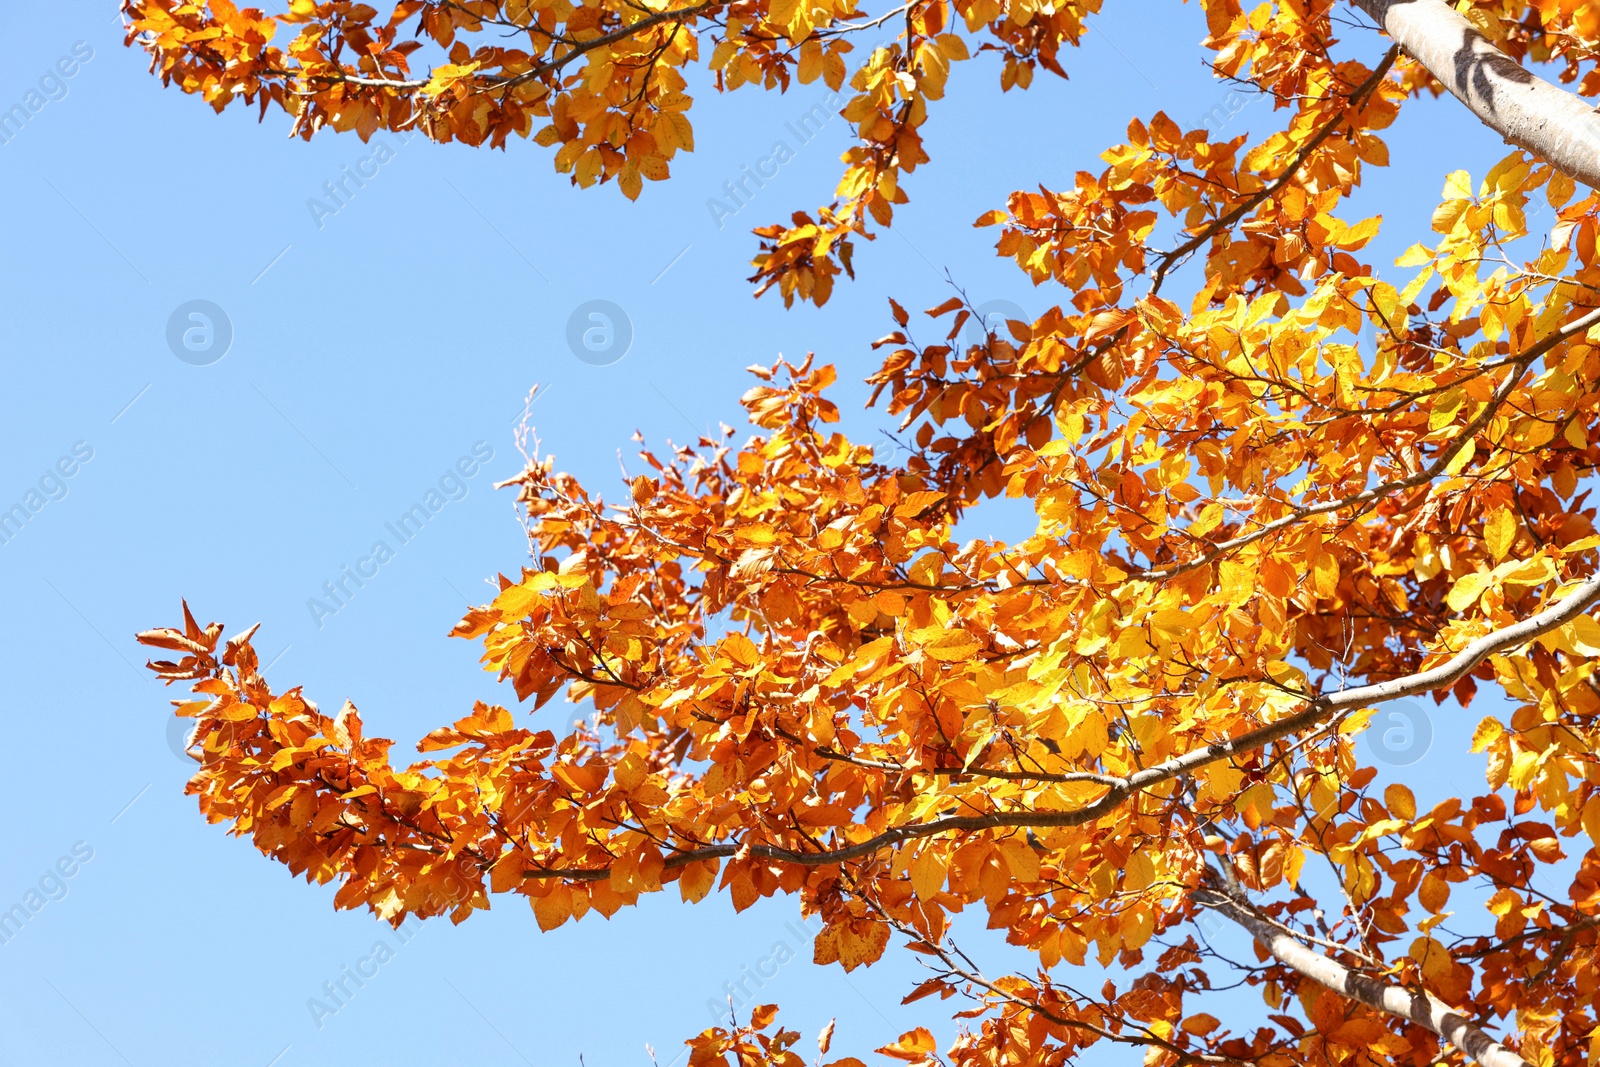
x: 371, y: 348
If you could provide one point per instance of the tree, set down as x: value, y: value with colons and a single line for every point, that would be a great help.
x: 1252, y: 533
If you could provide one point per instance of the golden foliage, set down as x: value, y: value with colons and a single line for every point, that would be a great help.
x: 802, y: 682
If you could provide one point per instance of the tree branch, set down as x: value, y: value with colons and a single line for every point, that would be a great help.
x: 1353, y: 106
x: 1320, y: 709
x: 1416, y: 1006
x: 1371, y: 496
x: 1526, y: 110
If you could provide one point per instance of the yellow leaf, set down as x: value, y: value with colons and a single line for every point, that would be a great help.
x: 950, y: 646
x: 927, y: 873
x: 1172, y: 624
x: 1434, y: 893
x: 810, y: 68
x: 1459, y: 461
x: 781, y: 13
x: 1499, y: 532
x: 740, y: 649
x: 1530, y: 572
x: 1434, y: 957
x: 447, y: 75
x: 1400, y: 801
x: 554, y: 908
x: 1591, y: 819
x: 1293, y: 864
x: 1582, y: 635
x: 1524, y: 768
x: 953, y: 47
x: 507, y: 873
x: 1445, y: 408
x: 1560, y: 189
x: 696, y: 881
x: 1325, y: 574
x: 629, y: 181
x: 1488, y: 731
x: 1140, y: 872
x: 1466, y: 591
x: 1487, y: 24
x: 1415, y: 256
x: 1021, y: 859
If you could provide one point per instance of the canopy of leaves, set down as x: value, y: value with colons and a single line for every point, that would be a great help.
x: 801, y: 682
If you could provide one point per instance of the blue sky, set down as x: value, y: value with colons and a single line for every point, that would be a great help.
x: 372, y: 349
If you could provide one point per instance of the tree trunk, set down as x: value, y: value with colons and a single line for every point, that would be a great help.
x: 1527, y: 111
x: 1419, y: 1007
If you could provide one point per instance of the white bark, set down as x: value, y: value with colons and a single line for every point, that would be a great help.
x: 1526, y: 110
x: 1417, y: 1006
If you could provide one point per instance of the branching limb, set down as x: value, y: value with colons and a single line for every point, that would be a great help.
x: 1416, y: 1006
x: 1320, y: 709
x: 1526, y: 110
